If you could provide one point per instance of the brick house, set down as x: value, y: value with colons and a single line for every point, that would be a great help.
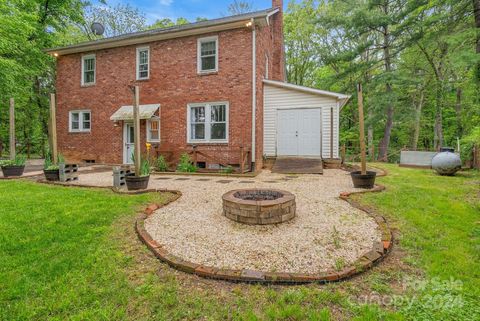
x: 217, y: 86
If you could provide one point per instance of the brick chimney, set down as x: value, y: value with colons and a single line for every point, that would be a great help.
x: 278, y: 67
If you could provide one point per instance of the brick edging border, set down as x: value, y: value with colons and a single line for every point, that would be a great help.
x: 367, y: 260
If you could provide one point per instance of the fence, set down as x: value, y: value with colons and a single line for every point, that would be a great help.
x: 216, y: 158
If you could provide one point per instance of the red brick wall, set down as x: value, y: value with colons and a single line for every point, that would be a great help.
x: 279, y: 49
x: 173, y: 83
x: 265, y: 49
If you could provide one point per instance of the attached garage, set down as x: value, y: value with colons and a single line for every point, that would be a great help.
x: 298, y: 121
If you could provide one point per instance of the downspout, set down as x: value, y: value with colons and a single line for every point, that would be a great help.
x: 337, y: 128
x: 254, y: 90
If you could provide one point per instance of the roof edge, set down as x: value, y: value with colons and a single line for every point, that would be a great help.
x: 342, y: 97
x: 151, y: 35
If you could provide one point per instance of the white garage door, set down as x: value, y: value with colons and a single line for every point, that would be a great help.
x: 298, y: 132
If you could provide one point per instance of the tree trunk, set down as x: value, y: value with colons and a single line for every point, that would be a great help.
x: 476, y: 13
x: 385, y: 142
x: 418, y: 116
x: 438, y: 130
x: 458, y: 110
x: 370, y: 135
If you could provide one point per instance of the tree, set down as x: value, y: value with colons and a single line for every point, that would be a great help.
x: 27, y: 72
x: 167, y: 22
x: 300, y: 35
x: 117, y: 20
x: 239, y: 7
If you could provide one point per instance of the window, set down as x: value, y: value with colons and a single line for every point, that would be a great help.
x: 208, y: 122
x: 80, y: 121
x: 143, y: 63
x: 88, y: 70
x: 153, y: 130
x: 207, y: 55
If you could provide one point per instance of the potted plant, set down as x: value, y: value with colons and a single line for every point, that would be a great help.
x: 50, y: 170
x: 13, y: 168
x: 362, y: 178
x: 139, y: 181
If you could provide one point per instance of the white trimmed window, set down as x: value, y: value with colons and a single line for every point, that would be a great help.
x: 88, y: 70
x: 207, y: 123
x: 143, y: 63
x: 153, y: 130
x: 207, y: 55
x: 80, y: 121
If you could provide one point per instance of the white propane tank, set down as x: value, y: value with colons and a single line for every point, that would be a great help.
x: 446, y: 163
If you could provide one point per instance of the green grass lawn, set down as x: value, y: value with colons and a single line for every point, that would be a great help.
x: 72, y: 254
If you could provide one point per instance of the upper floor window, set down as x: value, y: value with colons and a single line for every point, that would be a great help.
x: 153, y: 130
x: 207, y: 54
x: 208, y: 123
x: 80, y: 121
x: 143, y: 63
x: 88, y: 69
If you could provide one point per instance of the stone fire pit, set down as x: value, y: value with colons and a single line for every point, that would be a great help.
x: 259, y: 206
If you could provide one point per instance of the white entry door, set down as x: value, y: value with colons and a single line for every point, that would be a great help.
x: 128, y: 140
x: 299, y: 132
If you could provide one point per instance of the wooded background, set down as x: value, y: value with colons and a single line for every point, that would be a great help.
x: 418, y: 61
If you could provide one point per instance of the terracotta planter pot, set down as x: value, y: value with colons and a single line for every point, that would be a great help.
x: 9, y: 171
x: 135, y: 183
x: 363, y: 181
x: 52, y: 174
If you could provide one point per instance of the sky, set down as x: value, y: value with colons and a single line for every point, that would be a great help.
x: 189, y: 9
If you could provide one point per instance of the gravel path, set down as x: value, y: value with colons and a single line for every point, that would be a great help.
x: 327, y: 232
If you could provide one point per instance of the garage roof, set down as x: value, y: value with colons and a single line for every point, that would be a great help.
x: 343, y: 99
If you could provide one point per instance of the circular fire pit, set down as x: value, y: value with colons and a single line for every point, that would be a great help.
x: 259, y: 206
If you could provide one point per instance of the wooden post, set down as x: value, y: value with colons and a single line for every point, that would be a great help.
x: 362, y: 130
x: 12, y: 129
x: 53, y: 129
x: 136, y: 129
x: 331, y: 133
x: 344, y: 153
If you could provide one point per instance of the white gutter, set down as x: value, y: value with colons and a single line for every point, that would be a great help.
x: 254, y: 87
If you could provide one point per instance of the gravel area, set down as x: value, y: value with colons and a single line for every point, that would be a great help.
x: 327, y: 232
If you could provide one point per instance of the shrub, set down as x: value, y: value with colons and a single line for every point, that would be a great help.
x: 145, y: 167
x: 185, y: 164
x: 19, y: 160
x: 161, y: 164
x: 468, y: 142
x: 227, y: 170
x: 48, y: 165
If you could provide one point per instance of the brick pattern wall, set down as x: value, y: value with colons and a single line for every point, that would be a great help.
x: 265, y: 50
x: 279, y: 48
x: 173, y: 83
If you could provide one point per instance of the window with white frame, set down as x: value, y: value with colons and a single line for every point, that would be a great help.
x: 80, y: 121
x: 153, y: 130
x: 208, y: 54
x: 143, y: 63
x: 208, y: 122
x: 88, y: 70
